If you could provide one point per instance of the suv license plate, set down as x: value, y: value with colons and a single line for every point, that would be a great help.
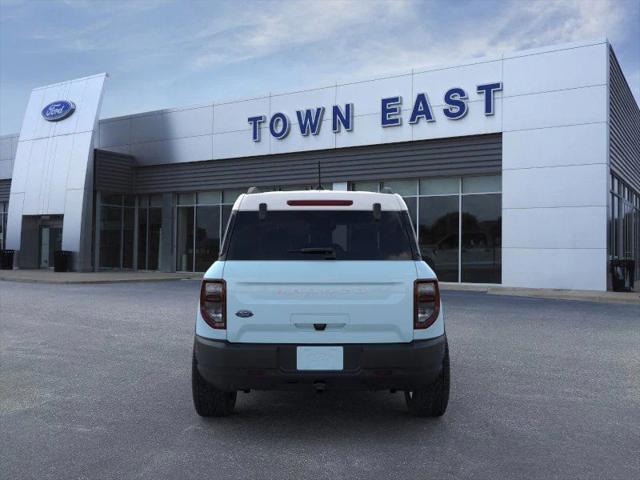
x: 320, y: 358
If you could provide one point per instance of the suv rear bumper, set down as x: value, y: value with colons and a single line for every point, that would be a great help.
x: 390, y: 366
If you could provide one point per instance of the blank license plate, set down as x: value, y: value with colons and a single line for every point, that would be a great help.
x: 320, y: 358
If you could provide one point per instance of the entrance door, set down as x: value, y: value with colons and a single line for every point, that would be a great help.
x: 50, y: 241
x: 44, y: 247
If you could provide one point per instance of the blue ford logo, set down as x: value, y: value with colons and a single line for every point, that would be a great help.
x: 244, y: 313
x: 56, y: 111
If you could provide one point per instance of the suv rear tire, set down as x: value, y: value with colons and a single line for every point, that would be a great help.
x: 207, y: 399
x: 431, y: 401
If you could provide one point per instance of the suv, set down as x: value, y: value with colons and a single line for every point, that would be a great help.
x: 320, y: 290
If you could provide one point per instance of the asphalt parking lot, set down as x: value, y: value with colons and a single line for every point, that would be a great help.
x: 95, y: 383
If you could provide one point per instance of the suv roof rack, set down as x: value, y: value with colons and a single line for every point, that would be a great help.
x: 253, y: 190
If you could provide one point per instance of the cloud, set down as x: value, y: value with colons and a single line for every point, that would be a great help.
x: 282, y: 27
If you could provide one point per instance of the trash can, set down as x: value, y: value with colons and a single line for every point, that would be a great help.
x: 622, y: 274
x: 61, y: 260
x: 6, y: 259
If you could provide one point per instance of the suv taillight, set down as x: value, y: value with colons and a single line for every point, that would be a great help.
x: 213, y: 303
x: 426, y: 303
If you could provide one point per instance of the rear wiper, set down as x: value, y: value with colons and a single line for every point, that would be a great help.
x: 330, y: 252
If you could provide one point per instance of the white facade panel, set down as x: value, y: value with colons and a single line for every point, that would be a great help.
x: 72, y: 220
x: 75, y: 92
x: 475, y: 122
x: 577, y: 269
x: 574, y: 186
x: 366, y: 131
x: 114, y: 133
x: 165, y: 125
x: 402, y: 133
x: 178, y: 150
x: 59, y: 173
x: 44, y: 129
x: 296, y: 142
x: 20, y: 175
x: 89, y: 107
x: 33, y: 201
x: 42, y: 177
x: 366, y: 96
x: 555, y: 109
x: 148, y: 128
x: 436, y: 82
x: 233, y: 144
x: 559, y: 70
x: 14, y: 220
x: 552, y: 147
x: 232, y: 117
x: 31, y: 121
x: 561, y: 227
x: 289, y: 103
x: 189, y: 122
x: 81, y: 144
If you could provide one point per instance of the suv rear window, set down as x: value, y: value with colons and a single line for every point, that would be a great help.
x: 319, y: 235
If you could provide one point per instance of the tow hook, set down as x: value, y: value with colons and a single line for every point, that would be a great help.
x: 319, y: 386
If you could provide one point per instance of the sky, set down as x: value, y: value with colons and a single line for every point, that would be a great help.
x: 162, y: 53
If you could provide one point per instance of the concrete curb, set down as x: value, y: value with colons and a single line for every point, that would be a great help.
x: 96, y: 282
x: 79, y: 278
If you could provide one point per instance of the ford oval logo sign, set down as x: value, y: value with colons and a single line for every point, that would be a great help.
x: 244, y: 313
x: 56, y: 111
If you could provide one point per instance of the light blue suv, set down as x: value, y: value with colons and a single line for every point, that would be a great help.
x: 320, y: 290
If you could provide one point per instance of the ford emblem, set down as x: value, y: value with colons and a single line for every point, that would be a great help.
x: 244, y: 313
x: 56, y: 111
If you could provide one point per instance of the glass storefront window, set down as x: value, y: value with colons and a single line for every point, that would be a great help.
x: 230, y: 196
x: 143, y: 228
x: 110, y: 236
x: 481, y: 249
x: 438, y: 235
x: 458, y: 222
x: 149, y: 237
x: 3, y: 223
x: 128, y: 227
x: 186, y: 199
x: 439, y: 186
x: 485, y: 184
x: 226, y: 213
x: 207, y: 237
x: 412, y: 205
x: 403, y: 187
x: 155, y: 200
x: 184, y: 246
x: 155, y: 236
x: 624, y: 223
x: 365, y: 186
x: 111, y: 199
x: 209, y: 198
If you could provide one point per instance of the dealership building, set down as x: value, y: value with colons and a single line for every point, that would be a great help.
x: 521, y: 169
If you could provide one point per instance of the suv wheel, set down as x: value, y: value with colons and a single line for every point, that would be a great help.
x: 431, y: 401
x: 208, y: 400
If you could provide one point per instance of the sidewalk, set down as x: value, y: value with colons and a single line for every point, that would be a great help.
x: 49, y: 276
x: 582, y: 295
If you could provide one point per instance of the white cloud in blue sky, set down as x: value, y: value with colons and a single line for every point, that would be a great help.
x: 166, y: 54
